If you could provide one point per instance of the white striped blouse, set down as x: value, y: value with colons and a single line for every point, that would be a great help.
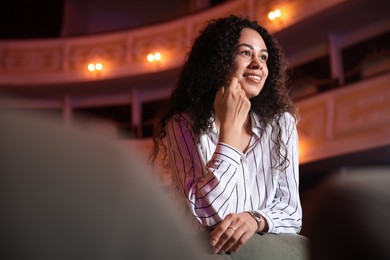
x: 215, y: 179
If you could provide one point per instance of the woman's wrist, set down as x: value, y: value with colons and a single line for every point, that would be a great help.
x: 261, y: 222
x: 257, y: 217
x: 230, y: 136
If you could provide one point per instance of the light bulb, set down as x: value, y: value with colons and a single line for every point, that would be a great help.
x: 271, y: 15
x: 150, y: 57
x: 277, y: 13
x: 98, y: 66
x: 91, y: 67
x: 157, y: 56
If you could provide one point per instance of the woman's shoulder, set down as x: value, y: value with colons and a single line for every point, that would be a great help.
x: 288, y: 122
x: 181, y: 119
x: 285, y: 120
x: 288, y: 117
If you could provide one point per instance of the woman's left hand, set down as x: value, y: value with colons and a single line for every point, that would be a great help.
x: 232, y: 233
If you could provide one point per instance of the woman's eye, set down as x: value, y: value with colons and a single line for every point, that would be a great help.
x: 264, y: 57
x: 246, y: 53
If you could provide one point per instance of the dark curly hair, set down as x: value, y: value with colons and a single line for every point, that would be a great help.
x: 207, y: 68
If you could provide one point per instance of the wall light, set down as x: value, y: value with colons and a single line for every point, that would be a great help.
x: 274, y: 14
x: 154, y: 57
x: 97, y: 66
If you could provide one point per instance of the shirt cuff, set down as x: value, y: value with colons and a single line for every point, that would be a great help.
x: 269, y: 221
x: 228, y: 153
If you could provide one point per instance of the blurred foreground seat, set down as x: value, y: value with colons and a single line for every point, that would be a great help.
x: 351, y: 216
x: 67, y: 195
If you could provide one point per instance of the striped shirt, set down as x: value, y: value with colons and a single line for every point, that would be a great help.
x: 214, y: 179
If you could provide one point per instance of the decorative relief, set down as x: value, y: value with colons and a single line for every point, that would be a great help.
x: 113, y: 53
x: 170, y: 44
x: 312, y: 123
x: 172, y: 40
x: 364, y: 109
x: 32, y: 60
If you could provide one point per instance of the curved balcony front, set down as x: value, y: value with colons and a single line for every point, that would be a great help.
x: 124, y: 53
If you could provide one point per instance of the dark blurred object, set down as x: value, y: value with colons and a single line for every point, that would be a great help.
x: 350, y: 219
x: 27, y: 19
x: 65, y: 194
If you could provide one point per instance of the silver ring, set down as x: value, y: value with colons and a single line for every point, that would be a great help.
x: 233, y: 228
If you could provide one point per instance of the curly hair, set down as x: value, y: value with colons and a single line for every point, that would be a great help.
x: 207, y: 68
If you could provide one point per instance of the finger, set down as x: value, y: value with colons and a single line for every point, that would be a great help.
x: 231, y: 242
x: 233, y: 83
x: 240, y: 242
x: 215, y: 235
x: 224, y: 242
x: 218, y: 95
x: 218, y: 236
x: 221, y: 90
x: 222, y: 226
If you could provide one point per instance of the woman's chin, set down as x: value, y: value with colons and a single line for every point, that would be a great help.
x: 252, y: 94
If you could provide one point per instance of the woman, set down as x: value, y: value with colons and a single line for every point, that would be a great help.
x: 230, y: 136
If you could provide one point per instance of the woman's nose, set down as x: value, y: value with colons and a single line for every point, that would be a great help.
x: 256, y: 64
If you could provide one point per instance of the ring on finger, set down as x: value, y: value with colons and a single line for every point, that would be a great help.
x: 232, y: 228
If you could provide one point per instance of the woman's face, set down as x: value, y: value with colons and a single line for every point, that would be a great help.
x: 250, y: 62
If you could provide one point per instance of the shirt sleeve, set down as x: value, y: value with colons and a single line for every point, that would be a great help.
x: 207, y: 186
x: 284, y: 214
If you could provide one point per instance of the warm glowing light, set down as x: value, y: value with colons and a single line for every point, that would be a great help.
x: 154, y: 57
x: 91, y: 67
x: 277, y: 13
x: 157, y: 56
x: 274, y: 14
x: 98, y: 66
x: 150, y: 57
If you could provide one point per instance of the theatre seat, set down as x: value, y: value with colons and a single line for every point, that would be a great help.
x: 350, y: 219
x: 67, y: 195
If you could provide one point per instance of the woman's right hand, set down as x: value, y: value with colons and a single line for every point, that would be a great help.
x: 231, y: 110
x: 232, y: 233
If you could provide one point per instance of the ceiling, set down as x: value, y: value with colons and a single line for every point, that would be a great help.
x: 28, y: 19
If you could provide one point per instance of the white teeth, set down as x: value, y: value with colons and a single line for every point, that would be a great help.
x: 254, y: 77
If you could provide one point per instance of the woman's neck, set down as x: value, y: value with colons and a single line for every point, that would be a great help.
x: 247, y: 126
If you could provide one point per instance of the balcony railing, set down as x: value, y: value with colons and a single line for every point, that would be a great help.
x: 124, y: 53
x: 345, y: 120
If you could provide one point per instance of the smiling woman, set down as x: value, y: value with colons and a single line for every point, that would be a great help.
x: 230, y: 139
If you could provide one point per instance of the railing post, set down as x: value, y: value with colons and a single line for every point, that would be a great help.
x: 336, y: 61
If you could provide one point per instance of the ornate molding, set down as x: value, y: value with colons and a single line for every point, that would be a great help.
x: 64, y: 60
x: 365, y: 108
x: 312, y: 123
x: 32, y: 60
x: 345, y: 120
x: 113, y: 53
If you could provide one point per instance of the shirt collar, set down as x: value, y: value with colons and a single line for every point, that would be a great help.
x: 256, y: 125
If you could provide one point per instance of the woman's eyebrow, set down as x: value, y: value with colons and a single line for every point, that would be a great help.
x: 250, y: 47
